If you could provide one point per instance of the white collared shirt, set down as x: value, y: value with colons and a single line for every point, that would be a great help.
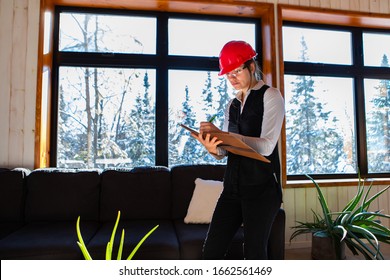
x: 272, y: 121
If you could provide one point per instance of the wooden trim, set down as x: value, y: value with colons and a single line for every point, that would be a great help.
x: 38, y: 102
x: 337, y: 183
x: 211, y: 7
x: 334, y: 17
x: 281, y: 88
x: 265, y: 11
x: 42, y: 120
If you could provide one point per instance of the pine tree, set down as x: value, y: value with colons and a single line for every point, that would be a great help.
x: 378, y: 122
x: 224, y: 99
x: 208, y: 99
x: 193, y: 151
x: 313, y: 143
x: 140, y: 142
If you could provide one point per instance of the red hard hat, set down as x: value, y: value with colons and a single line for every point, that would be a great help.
x: 234, y: 54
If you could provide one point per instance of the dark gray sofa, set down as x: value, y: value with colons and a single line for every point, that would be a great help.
x: 39, y: 209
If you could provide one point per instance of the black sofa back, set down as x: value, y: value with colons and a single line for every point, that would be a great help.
x: 139, y: 193
x: 62, y: 195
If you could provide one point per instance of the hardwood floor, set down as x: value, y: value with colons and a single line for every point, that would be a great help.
x: 305, y: 253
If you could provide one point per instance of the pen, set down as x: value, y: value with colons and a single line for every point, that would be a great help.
x: 212, y: 118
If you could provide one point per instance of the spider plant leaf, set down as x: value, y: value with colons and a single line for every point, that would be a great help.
x: 355, y: 201
x: 81, y: 243
x: 355, y: 247
x: 368, y: 216
x: 361, y: 246
x: 108, y: 250
x: 130, y: 257
x: 119, y: 256
x: 368, y: 235
x: 110, y: 244
x: 323, y: 203
x: 342, y: 230
x: 368, y: 202
x: 84, y: 251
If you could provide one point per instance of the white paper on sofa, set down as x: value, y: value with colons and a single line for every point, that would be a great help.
x: 203, y: 201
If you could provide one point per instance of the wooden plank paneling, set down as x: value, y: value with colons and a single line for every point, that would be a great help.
x: 289, y: 208
x: 343, y: 199
x: 300, y: 210
x: 374, y: 6
x: 335, y: 4
x: 315, y: 3
x: 332, y: 199
x: 6, y: 20
x: 311, y: 205
x: 354, y: 5
x: 30, y: 82
x: 364, y: 5
x: 18, y: 66
x: 384, y: 6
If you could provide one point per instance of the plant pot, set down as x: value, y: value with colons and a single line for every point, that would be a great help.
x: 325, y: 247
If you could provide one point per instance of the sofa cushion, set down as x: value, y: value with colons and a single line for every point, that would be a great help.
x: 46, y: 240
x: 183, y: 184
x: 62, y: 195
x: 203, y: 201
x: 139, y: 193
x: 162, y: 244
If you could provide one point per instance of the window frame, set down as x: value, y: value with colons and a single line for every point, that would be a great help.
x: 45, y: 125
x: 357, y: 24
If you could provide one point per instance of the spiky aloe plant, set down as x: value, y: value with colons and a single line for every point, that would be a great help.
x: 358, y: 227
x: 110, y: 243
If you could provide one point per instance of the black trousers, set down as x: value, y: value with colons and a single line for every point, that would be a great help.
x: 253, y: 206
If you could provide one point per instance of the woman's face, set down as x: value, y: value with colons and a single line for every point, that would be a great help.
x: 240, y: 78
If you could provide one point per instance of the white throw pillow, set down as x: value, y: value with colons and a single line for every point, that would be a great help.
x: 203, y: 201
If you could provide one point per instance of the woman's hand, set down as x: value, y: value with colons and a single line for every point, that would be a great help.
x: 207, y: 127
x: 209, y: 144
x: 204, y: 137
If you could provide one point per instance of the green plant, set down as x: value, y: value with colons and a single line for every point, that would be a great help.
x: 353, y: 225
x: 110, y: 243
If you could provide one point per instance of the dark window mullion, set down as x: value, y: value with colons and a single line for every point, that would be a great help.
x: 318, y: 69
x: 54, y: 94
x: 83, y: 59
x: 162, y: 110
x: 361, y: 140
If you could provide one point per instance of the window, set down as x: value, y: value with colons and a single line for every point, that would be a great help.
x: 337, y: 93
x: 120, y: 93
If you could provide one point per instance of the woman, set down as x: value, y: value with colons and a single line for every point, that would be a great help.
x: 252, y: 194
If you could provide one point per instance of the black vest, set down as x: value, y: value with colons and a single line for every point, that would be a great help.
x: 242, y: 170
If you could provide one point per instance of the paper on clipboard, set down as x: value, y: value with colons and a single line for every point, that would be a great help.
x: 232, y: 144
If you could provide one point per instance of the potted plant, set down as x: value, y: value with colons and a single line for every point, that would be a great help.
x: 355, y: 227
x: 110, y: 243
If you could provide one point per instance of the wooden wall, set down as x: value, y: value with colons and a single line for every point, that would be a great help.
x: 19, y: 21
x: 19, y: 26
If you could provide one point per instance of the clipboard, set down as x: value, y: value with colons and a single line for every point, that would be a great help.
x: 232, y: 144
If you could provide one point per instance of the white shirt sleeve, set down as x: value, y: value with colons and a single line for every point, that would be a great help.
x: 272, y: 124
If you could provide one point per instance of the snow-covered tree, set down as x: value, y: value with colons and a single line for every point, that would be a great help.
x: 313, y: 143
x: 378, y: 123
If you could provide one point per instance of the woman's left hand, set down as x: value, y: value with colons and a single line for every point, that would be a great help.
x: 209, y: 144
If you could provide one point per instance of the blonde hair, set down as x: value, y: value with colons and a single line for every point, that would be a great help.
x: 258, y: 73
